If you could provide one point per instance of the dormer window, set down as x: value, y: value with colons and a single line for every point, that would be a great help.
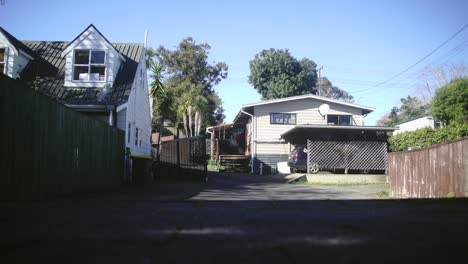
x: 89, y: 65
x: 2, y: 60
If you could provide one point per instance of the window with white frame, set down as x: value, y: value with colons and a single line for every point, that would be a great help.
x: 2, y: 60
x: 89, y: 65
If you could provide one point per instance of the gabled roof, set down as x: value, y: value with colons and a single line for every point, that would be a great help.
x: 47, y: 74
x: 68, y: 47
x: 16, y: 43
x: 245, y: 107
x: 308, y: 96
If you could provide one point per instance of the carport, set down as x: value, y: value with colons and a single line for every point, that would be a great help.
x: 342, y: 148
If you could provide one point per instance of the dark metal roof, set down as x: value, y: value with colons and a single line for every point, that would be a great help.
x: 300, y: 133
x: 16, y: 43
x: 46, y: 74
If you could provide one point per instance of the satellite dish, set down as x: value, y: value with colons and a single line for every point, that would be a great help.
x: 323, y: 109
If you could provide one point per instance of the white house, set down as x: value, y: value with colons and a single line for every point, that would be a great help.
x: 417, y: 123
x: 89, y: 74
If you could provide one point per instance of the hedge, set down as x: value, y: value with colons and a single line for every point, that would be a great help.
x: 426, y: 137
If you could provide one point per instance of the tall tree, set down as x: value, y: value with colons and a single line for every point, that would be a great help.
x: 434, y: 76
x: 450, y: 103
x: 410, y: 107
x: 327, y: 89
x: 276, y: 74
x: 187, y: 73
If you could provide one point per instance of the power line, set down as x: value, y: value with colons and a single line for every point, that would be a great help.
x: 430, y: 53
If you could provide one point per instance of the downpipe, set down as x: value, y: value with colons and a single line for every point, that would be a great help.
x: 251, y: 142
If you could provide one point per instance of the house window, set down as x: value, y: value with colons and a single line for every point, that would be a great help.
x: 284, y: 119
x: 129, y: 132
x: 136, y: 136
x: 2, y: 60
x: 89, y: 65
x: 340, y: 120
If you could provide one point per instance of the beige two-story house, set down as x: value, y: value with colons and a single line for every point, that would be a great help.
x: 271, y: 126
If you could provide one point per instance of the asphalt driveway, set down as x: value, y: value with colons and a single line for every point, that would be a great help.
x: 237, y: 186
x: 233, y: 219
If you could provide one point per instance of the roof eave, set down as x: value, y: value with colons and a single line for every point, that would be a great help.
x: 311, y: 96
x: 376, y: 128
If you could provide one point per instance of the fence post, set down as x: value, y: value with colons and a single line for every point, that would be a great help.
x: 178, y: 158
x: 205, y: 165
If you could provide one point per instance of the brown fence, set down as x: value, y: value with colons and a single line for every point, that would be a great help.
x: 48, y: 149
x: 438, y: 171
x: 183, y: 158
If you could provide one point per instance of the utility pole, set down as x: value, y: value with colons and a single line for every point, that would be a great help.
x: 319, y: 80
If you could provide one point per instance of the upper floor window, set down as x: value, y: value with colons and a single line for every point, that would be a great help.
x: 340, y: 120
x: 2, y: 60
x: 280, y: 118
x: 89, y: 65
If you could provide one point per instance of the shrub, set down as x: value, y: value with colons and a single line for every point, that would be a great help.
x: 450, y: 103
x: 426, y: 137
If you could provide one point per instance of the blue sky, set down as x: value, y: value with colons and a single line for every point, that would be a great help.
x: 359, y: 43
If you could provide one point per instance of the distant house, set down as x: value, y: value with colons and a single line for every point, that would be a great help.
x: 417, y: 123
x: 89, y: 74
x: 269, y: 129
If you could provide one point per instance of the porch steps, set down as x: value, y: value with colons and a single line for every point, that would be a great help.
x: 234, y: 163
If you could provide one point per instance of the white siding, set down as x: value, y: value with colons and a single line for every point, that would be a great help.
x: 122, y: 119
x: 138, y: 113
x: 306, y: 111
x: 412, y: 125
x: 15, y: 62
x: 19, y: 63
x: 92, y: 40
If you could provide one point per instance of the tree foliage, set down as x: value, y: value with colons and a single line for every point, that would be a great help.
x: 327, y: 89
x: 426, y: 137
x: 434, y: 76
x: 189, y: 80
x: 410, y: 107
x: 450, y: 103
x: 277, y: 74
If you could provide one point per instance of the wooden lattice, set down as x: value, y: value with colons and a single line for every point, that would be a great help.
x: 348, y: 155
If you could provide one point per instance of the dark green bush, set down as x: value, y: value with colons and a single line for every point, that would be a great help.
x: 426, y: 137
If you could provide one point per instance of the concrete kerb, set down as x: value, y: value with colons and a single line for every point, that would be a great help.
x: 342, y: 178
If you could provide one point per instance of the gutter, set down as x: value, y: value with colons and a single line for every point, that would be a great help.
x: 92, y: 108
x: 251, y: 141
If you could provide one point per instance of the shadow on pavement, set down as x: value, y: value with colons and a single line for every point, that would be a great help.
x: 166, y: 223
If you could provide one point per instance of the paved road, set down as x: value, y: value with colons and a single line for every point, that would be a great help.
x: 233, y: 219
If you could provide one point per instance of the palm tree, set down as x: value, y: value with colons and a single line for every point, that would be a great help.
x: 160, y: 98
x: 191, y: 109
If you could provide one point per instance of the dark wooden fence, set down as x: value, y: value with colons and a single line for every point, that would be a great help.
x: 49, y: 150
x: 437, y: 171
x: 183, y: 158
